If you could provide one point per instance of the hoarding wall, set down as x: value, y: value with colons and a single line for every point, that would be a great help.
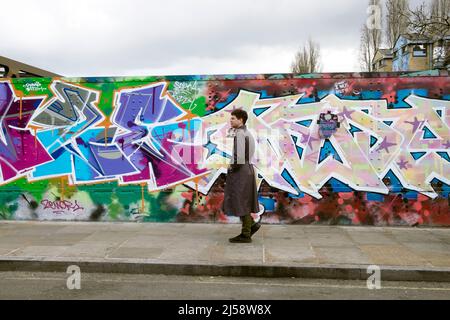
x: 156, y: 148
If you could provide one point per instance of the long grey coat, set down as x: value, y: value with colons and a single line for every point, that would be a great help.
x: 241, y: 194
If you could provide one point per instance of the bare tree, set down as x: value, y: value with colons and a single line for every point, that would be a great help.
x: 440, y: 12
x: 433, y: 22
x: 307, y: 59
x: 365, y: 51
x: 370, y: 41
x: 397, y: 20
x: 430, y: 20
x: 440, y: 9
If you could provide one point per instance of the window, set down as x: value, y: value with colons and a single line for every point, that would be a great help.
x: 3, y: 71
x: 419, y: 50
x: 397, y: 53
x: 25, y: 74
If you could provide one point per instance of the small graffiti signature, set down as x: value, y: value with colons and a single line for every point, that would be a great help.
x: 34, y: 86
x: 61, y: 206
x: 341, y: 87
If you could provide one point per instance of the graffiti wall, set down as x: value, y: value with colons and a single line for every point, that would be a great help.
x: 156, y: 148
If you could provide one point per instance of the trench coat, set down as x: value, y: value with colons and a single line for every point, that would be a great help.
x: 241, y: 194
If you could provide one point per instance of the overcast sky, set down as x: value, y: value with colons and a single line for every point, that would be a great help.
x: 147, y: 37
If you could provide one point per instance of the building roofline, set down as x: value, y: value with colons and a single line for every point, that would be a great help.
x: 425, y: 39
x: 16, y: 66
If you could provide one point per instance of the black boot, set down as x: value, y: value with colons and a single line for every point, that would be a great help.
x: 240, y: 239
x: 255, y: 227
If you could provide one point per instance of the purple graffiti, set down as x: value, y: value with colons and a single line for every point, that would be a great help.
x: 153, y: 149
x: 61, y: 206
x: 19, y: 149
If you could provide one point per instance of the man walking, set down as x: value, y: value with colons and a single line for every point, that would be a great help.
x: 241, y: 195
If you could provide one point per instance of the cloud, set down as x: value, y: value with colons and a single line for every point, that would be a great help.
x: 96, y: 37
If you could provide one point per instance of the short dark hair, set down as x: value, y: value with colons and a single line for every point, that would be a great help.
x: 240, y: 114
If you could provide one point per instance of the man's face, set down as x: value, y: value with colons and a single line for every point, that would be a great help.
x: 235, y: 122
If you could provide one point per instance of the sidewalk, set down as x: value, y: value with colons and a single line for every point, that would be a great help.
x: 413, y: 254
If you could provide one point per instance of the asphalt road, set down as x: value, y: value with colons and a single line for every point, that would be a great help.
x: 25, y: 285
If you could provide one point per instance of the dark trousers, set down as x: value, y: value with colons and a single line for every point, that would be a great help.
x: 247, y: 222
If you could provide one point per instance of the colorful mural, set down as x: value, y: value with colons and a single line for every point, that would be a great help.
x: 156, y: 148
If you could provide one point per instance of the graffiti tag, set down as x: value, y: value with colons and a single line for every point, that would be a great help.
x: 61, y: 206
x: 33, y: 86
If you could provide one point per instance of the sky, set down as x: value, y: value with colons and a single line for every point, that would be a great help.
x: 179, y: 37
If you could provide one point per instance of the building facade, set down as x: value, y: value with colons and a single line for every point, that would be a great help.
x: 413, y: 52
x: 382, y: 61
